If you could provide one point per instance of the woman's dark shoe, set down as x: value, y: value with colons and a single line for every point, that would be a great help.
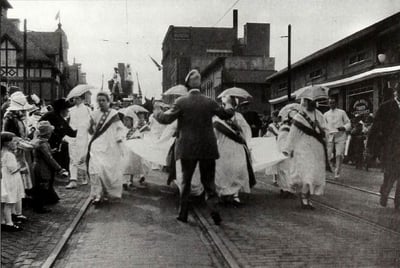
x: 19, y: 218
x: 11, y: 228
x: 181, y: 219
x: 216, y: 218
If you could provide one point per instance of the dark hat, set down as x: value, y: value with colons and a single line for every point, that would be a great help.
x: 61, y: 104
x: 6, y: 137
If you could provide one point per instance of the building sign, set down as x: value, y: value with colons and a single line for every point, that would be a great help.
x: 361, y: 104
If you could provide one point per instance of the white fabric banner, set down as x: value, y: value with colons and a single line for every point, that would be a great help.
x: 264, y: 151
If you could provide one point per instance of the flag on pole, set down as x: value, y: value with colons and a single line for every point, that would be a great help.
x: 57, y: 16
x: 138, y: 84
x: 156, y: 63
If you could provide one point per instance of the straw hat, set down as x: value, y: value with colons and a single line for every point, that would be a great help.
x: 6, y: 136
x: 44, y: 127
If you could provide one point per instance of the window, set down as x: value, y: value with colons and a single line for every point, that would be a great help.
x: 8, y: 54
x: 282, y: 87
x: 316, y: 74
x: 356, y: 58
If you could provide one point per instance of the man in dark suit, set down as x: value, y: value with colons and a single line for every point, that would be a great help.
x: 196, y: 141
x: 384, y: 141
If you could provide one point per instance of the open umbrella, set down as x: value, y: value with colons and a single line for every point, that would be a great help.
x: 136, y: 109
x: 287, y: 109
x: 178, y: 90
x: 79, y: 90
x: 235, y: 92
x: 313, y: 93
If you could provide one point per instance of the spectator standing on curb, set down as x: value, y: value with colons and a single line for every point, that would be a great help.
x: 45, y: 168
x: 337, y: 123
x: 12, y: 187
x: 384, y: 141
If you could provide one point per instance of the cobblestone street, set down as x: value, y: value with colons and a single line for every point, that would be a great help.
x: 266, y: 231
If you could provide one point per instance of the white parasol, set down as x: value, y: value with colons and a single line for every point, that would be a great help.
x: 79, y: 90
x: 235, y: 92
x: 313, y: 93
x: 178, y: 90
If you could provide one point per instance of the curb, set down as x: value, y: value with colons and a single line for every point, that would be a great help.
x: 51, y: 259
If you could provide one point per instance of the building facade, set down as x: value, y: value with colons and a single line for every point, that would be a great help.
x: 359, y: 70
x: 186, y: 48
x: 247, y: 72
x: 46, y: 59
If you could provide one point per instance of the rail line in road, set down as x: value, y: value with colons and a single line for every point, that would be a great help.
x: 355, y: 188
x: 348, y: 213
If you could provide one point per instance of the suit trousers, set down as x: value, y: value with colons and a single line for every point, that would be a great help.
x: 389, y: 178
x: 207, y: 177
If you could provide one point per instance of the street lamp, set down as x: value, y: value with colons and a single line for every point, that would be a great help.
x: 289, y: 67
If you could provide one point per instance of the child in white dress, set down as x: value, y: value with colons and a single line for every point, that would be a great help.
x: 12, y: 186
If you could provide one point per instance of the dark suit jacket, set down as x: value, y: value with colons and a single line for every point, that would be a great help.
x: 384, y: 136
x: 195, y: 138
x: 61, y: 128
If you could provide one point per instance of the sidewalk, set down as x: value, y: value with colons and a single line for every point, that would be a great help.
x: 42, y: 232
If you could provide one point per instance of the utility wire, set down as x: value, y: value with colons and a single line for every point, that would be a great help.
x: 229, y: 9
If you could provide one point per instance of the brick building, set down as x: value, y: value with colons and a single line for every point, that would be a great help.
x: 247, y: 72
x: 358, y: 70
x: 185, y: 48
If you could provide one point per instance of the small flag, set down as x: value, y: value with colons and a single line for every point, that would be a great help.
x: 57, y: 15
x: 138, y: 84
x: 156, y: 63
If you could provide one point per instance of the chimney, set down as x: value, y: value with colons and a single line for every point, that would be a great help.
x: 235, y: 22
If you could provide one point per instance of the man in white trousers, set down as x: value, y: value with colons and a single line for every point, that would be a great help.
x: 337, y: 123
x: 80, y: 116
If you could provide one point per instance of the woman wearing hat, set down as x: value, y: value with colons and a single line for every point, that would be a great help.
x: 57, y: 143
x: 306, y: 146
x: 45, y: 168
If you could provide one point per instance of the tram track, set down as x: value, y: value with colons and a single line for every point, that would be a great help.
x: 349, y: 213
x: 355, y: 188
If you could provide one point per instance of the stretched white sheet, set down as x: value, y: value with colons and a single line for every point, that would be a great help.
x: 264, y: 151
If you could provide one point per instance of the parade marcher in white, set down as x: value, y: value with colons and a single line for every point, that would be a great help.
x: 305, y: 143
x: 286, y: 167
x: 337, y: 123
x: 233, y: 170
x: 105, y: 152
x: 79, y: 119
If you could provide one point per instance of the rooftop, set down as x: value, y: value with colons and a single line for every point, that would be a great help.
x: 383, y: 24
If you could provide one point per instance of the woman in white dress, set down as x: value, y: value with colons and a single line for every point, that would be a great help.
x: 305, y: 143
x: 233, y: 170
x: 105, y: 151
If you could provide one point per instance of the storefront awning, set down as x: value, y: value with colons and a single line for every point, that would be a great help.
x: 348, y: 80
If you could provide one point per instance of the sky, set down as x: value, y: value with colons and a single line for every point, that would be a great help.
x: 144, y: 23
